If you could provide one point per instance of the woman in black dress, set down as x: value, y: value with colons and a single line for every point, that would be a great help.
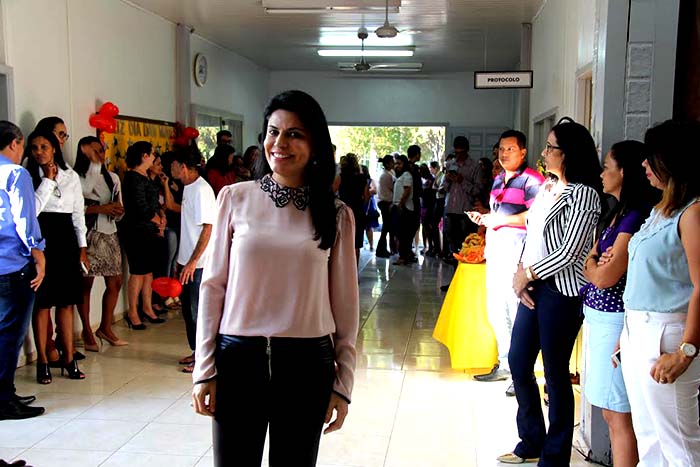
x: 142, y: 224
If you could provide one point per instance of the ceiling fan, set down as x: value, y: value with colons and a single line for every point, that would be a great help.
x: 387, y: 30
x: 363, y: 66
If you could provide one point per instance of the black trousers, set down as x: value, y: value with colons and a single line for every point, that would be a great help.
x: 285, y: 383
x: 385, y: 209
x: 405, y: 221
x: 436, y: 216
x: 458, y: 227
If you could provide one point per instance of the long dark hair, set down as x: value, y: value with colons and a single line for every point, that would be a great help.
x: 636, y: 191
x: 319, y: 172
x: 404, y: 163
x: 580, y: 163
x: 49, y: 123
x: 248, y: 156
x: 673, y: 163
x: 219, y: 161
x: 82, y: 162
x: 32, y: 166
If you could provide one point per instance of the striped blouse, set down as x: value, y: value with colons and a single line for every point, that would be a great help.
x: 568, y: 237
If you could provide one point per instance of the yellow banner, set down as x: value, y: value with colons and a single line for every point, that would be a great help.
x: 130, y: 130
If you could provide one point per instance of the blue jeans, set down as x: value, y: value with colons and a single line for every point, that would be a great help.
x: 16, y: 302
x: 190, y: 306
x: 551, y: 327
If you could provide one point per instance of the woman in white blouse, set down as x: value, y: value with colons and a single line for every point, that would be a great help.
x: 60, y: 207
x: 103, y: 208
x: 280, y: 354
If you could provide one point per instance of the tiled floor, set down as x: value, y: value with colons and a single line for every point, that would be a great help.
x: 409, y: 408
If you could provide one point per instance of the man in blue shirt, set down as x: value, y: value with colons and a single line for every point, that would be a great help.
x: 22, y: 267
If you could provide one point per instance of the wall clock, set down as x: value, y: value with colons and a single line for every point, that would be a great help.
x: 201, y: 70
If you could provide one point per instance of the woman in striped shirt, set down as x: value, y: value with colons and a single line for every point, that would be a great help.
x: 560, y: 227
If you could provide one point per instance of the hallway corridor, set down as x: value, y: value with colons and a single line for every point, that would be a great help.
x: 409, y: 408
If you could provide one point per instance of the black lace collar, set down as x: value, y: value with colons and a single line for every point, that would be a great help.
x: 282, y: 195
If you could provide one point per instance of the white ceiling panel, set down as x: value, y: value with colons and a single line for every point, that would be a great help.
x: 448, y: 35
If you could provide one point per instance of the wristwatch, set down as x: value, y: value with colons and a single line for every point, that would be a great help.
x: 688, y: 349
x: 528, y: 274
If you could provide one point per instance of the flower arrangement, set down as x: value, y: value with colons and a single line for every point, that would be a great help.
x: 472, y: 249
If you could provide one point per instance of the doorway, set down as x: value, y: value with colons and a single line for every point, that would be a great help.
x: 209, y: 122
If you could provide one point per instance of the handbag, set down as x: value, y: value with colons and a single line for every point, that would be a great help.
x: 91, y: 219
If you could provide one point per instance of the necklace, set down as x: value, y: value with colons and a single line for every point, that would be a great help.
x: 282, y: 195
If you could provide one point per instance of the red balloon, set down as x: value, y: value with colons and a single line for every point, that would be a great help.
x: 109, y: 109
x: 182, y: 140
x: 97, y: 121
x: 190, y: 133
x: 110, y: 126
x: 166, y: 287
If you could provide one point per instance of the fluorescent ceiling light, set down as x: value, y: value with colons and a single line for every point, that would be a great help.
x: 329, y: 9
x: 365, y: 53
x: 350, y: 40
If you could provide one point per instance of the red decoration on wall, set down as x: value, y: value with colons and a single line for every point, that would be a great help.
x: 109, y: 109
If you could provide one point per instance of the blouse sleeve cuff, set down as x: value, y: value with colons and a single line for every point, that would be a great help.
x: 205, y: 380
x: 342, y: 396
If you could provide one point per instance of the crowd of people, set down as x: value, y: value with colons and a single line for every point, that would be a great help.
x: 419, y: 203
x: 617, y: 245
x: 79, y: 222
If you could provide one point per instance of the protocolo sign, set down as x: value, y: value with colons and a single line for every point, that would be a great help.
x: 502, y: 79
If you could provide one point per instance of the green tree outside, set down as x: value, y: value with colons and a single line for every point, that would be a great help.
x: 371, y: 143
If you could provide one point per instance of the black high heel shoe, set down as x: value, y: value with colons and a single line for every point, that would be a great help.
x: 59, y: 347
x: 43, y: 374
x: 152, y: 320
x: 135, y: 327
x: 73, y: 371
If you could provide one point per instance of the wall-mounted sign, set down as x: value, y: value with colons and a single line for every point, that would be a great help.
x: 502, y: 79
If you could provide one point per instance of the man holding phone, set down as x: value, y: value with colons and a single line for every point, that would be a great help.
x: 513, y: 191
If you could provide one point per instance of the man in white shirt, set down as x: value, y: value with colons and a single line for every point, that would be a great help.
x: 198, y: 212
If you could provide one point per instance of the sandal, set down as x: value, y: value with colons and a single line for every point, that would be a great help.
x: 188, y: 360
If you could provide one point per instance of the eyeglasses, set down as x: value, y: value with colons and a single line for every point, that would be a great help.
x: 548, y: 147
x: 63, y: 135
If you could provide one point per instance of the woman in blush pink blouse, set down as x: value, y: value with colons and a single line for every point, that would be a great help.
x: 279, y: 304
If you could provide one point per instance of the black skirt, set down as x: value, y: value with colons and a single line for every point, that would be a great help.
x: 62, y: 285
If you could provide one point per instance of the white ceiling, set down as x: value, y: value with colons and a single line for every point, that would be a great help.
x: 448, y: 35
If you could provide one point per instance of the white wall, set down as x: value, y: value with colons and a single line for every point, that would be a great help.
x: 562, y: 42
x: 70, y: 56
x: 449, y: 99
x: 234, y: 84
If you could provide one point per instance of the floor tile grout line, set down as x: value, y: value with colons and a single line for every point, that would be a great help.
x: 393, y: 422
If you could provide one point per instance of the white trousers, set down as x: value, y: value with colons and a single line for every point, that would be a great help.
x: 664, y: 416
x: 503, y: 248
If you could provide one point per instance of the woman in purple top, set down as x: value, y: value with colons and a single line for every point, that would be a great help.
x: 623, y: 178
